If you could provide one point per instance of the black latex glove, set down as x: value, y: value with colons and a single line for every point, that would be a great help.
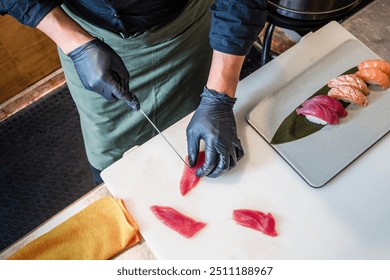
x: 213, y: 121
x: 102, y: 70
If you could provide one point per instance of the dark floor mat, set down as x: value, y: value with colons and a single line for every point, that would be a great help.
x: 43, y: 167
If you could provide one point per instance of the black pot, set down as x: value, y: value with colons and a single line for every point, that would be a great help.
x: 312, y: 9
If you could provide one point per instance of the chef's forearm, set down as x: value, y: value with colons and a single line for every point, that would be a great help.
x: 63, y: 30
x: 225, y: 72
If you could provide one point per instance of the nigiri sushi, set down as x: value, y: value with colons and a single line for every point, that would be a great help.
x: 374, y: 76
x: 349, y: 80
x: 329, y: 102
x: 349, y: 94
x: 379, y: 64
x: 318, y: 113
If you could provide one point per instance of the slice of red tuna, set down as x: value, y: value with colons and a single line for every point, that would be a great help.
x: 177, y: 221
x: 189, y: 179
x: 256, y: 220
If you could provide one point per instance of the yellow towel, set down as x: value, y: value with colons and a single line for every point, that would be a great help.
x: 99, y: 232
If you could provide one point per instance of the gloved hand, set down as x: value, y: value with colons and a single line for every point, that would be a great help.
x: 102, y: 70
x: 213, y: 121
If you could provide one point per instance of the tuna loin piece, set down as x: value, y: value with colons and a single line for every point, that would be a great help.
x: 175, y: 220
x: 188, y: 179
x: 256, y: 220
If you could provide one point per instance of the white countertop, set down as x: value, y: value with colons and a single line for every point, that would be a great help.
x: 349, y: 218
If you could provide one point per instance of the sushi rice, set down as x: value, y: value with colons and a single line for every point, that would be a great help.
x: 316, y: 120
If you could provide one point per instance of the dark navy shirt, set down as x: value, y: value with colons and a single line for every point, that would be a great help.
x: 127, y: 17
x: 235, y: 24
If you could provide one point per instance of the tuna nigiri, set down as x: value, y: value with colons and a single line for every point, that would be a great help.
x: 256, y: 220
x: 349, y: 94
x: 318, y: 113
x: 379, y: 64
x: 374, y: 76
x: 349, y: 80
x: 329, y: 102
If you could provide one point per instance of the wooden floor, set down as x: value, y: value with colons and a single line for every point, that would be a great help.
x: 26, y: 56
x: 31, y: 94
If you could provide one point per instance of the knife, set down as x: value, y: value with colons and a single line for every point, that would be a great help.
x: 166, y: 140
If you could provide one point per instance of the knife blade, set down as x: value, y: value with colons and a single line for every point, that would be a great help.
x: 167, y: 141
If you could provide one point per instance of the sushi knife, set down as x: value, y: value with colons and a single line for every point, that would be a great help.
x: 166, y: 140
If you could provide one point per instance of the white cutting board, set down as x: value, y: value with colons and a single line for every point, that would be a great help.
x: 347, y: 219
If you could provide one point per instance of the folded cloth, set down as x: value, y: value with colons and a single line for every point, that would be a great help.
x: 98, y: 232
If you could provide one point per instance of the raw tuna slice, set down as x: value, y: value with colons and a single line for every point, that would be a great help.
x: 256, y: 220
x: 189, y: 179
x: 175, y: 220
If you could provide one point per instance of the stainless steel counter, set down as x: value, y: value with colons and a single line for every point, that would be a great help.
x: 371, y: 25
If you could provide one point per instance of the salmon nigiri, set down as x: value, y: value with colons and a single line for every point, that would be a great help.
x: 349, y: 80
x: 348, y: 94
x: 379, y: 64
x: 374, y: 76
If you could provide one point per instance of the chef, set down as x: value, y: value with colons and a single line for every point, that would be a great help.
x: 167, y: 57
